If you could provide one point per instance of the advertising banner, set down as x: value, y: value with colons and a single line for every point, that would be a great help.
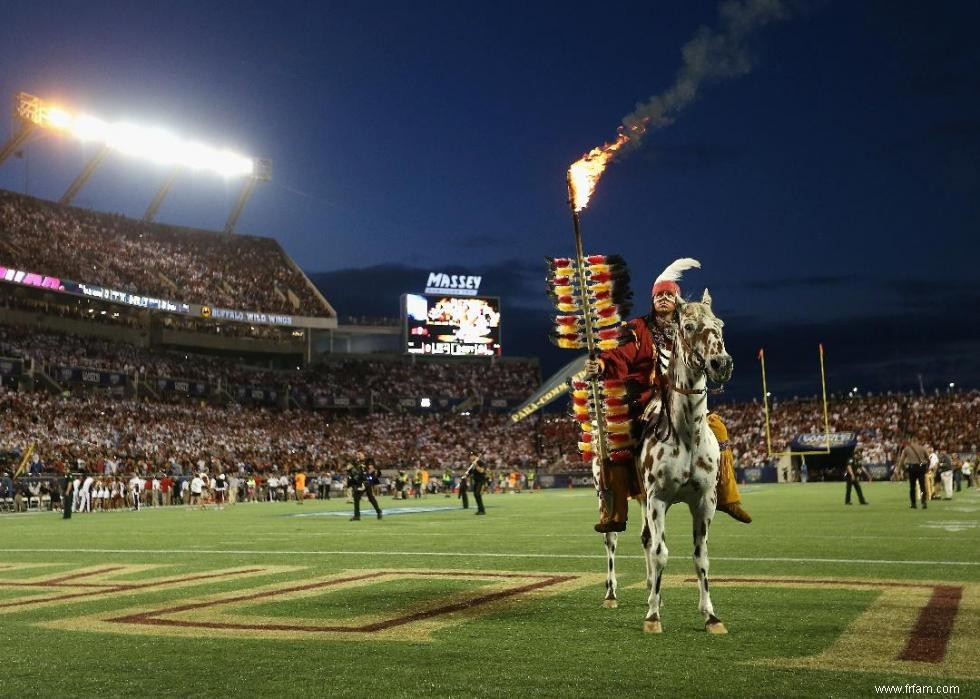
x: 77, y: 376
x: 11, y: 367
x: 198, y: 389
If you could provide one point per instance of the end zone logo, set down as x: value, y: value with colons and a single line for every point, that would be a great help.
x: 459, y: 283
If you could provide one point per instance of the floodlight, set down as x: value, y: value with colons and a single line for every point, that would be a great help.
x: 153, y: 144
x: 86, y: 128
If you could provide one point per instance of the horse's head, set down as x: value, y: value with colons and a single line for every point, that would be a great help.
x: 699, y: 331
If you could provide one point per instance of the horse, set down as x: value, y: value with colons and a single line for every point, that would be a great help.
x: 679, y: 463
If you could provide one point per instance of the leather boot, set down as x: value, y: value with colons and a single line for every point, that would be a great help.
x: 614, y: 501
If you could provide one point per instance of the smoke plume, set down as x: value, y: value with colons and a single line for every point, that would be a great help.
x: 713, y: 54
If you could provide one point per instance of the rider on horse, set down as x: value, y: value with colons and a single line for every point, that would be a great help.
x: 642, y: 364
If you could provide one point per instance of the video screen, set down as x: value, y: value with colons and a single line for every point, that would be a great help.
x: 451, y: 325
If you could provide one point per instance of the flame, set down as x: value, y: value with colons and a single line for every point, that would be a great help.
x: 584, y: 174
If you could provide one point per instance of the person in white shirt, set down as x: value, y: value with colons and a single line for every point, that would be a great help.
x: 272, y: 486
x: 76, y: 497
x: 197, y: 488
x: 85, y: 495
x: 932, y: 475
x: 968, y: 473
x: 135, y: 490
x: 156, y: 497
x: 234, y: 482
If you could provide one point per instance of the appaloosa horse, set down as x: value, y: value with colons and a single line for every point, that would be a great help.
x: 679, y: 462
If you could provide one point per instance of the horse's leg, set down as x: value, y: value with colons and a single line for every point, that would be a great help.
x: 702, y: 513
x: 645, y: 538
x: 656, y: 560
x: 609, y: 539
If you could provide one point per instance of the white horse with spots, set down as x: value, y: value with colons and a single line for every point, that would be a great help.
x: 679, y: 463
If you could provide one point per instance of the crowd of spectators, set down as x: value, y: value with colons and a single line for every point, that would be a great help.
x: 187, y: 265
x: 112, y: 438
x: 89, y: 432
x: 347, y: 378
x: 941, y: 420
x: 881, y: 422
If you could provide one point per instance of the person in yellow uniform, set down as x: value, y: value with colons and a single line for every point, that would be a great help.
x: 299, y: 482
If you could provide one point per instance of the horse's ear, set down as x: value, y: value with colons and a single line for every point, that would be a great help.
x: 706, y: 298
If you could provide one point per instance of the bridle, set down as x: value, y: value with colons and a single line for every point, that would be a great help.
x: 663, y: 429
x: 699, y: 364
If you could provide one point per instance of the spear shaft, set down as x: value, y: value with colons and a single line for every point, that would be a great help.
x: 600, y: 430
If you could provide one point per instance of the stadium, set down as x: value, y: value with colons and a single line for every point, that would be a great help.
x: 218, y: 476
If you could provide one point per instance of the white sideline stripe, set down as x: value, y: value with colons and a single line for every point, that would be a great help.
x: 450, y: 554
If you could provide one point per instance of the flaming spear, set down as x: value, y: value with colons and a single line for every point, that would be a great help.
x: 594, y: 289
x: 590, y: 344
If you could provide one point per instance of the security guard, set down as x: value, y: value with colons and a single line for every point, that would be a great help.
x: 855, y: 469
x: 361, y: 479
x: 464, y: 490
x: 478, y: 473
x: 67, y: 486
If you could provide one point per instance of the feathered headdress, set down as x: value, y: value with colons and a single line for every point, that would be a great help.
x: 667, y: 281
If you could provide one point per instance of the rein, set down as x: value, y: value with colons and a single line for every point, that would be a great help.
x: 699, y: 366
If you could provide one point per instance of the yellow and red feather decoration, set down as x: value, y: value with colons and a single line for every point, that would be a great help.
x: 609, y: 297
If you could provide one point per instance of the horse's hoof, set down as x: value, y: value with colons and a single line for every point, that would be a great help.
x: 652, y: 626
x: 715, y: 627
x: 609, y: 604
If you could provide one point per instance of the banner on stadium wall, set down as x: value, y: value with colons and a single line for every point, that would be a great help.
x: 198, y: 389
x: 809, y: 441
x: 551, y: 389
x: 75, y: 376
x: 256, y: 394
x: 11, y: 367
x: 437, y: 403
x: 152, y: 303
x: 327, y: 401
x: 253, y: 317
x: 322, y: 402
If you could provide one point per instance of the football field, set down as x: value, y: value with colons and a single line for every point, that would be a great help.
x: 277, y: 599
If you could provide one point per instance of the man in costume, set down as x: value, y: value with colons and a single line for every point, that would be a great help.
x: 642, y: 363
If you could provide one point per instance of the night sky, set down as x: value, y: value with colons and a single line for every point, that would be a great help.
x: 831, y: 189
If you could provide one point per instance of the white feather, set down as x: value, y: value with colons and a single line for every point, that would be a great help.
x: 676, y: 269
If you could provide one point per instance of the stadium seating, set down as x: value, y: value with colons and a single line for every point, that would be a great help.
x: 192, y: 266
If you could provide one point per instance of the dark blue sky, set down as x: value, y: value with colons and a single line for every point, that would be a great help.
x: 833, y: 193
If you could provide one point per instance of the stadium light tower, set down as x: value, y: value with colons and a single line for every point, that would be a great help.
x: 153, y: 144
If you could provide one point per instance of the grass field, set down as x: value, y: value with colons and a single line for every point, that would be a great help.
x: 820, y: 600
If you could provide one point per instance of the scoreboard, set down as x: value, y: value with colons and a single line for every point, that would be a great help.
x: 451, y: 326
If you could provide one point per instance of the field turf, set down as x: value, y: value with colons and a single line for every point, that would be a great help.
x: 820, y: 600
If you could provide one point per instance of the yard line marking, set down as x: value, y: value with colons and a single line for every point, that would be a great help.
x: 467, y: 554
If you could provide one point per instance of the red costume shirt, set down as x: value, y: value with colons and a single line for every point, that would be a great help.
x: 634, y: 362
